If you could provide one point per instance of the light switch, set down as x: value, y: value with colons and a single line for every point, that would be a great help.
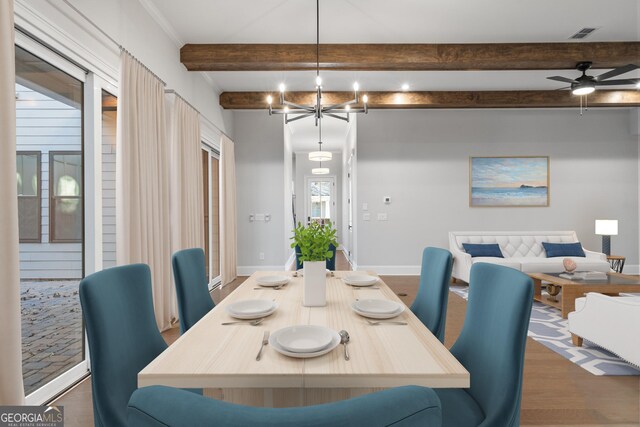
x: 366, y: 217
x: 382, y: 216
x: 251, y: 217
x: 365, y: 206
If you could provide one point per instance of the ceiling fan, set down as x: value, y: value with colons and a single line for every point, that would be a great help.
x: 585, y: 84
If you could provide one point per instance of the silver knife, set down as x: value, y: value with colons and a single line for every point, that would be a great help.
x: 265, y: 341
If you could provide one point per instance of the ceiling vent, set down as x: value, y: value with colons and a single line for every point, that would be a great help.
x: 583, y: 33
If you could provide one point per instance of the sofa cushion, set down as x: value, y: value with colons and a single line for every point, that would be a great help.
x: 554, y: 265
x: 483, y: 250
x: 554, y: 250
x: 505, y: 262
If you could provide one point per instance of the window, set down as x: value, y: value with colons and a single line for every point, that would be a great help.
x: 211, y: 187
x: 65, y: 196
x: 29, y: 196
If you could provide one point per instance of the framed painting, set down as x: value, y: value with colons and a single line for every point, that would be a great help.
x: 509, y: 181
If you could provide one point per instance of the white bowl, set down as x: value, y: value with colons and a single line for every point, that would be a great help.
x: 273, y: 342
x: 271, y: 281
x: 305, y: 338
x: 251, y: 308
x: 360, y: 280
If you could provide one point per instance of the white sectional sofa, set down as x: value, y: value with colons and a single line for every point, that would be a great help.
x: 612, y: 323
x: 522, y: 250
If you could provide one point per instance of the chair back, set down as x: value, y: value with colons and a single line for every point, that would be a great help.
x: 158, y: 406
x: 492, y: 343
x: 430, y: 305
x: 117, y: 306
x: 192, y: 288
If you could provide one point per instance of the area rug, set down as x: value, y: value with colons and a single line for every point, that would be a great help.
x: 549, y: 328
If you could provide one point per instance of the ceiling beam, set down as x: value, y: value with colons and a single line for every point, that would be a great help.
x: 401, y: 57
x: 443, y: 99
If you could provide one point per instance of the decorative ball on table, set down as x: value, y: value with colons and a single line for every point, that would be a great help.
x: 569, y: 265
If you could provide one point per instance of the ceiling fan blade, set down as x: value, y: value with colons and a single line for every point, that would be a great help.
x: 563, y: 88
x: 562, y: 79
x: 618, y: 82
x: 616, y: 72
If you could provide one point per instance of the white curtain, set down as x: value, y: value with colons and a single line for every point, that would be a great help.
x: 187, y: 197
x: 11, y: 387
x: 228, y: 231
x: 143, y: 232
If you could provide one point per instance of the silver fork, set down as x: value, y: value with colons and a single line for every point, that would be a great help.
x: 265, y: 341
x: 245, y: 322
x: 391, y: 322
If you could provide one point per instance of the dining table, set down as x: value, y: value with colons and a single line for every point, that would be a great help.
x: 221, y: 359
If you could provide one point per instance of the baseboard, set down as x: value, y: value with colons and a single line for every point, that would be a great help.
x: 391, y: 270
x: 248, y: 270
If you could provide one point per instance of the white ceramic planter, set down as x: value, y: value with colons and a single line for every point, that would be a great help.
x: 315, y: 284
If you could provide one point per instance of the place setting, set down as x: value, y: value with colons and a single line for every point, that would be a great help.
x: 275, y: 282
x: 306, y: 341
x: 251, y: 311
x: 361, y: 281
x: 379, y: 309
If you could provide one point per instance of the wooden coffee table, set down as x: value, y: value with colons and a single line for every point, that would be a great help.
x: 572, y: 289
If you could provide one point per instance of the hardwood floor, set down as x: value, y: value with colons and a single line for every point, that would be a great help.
x: 556, y: 392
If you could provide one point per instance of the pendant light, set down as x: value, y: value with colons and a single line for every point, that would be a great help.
x: 320, y: 155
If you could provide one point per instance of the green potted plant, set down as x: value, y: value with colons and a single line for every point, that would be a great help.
x: 313, y: 242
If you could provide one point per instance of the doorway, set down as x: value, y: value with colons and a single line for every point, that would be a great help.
x: 320, y: 200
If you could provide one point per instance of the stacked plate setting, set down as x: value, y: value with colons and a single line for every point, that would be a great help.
x: 304, y: 341
x: 377, y: 308
x: 252, y: 308
x: 360, y: 280
x: 273, y: 281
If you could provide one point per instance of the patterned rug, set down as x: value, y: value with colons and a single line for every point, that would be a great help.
x: 549, y: 328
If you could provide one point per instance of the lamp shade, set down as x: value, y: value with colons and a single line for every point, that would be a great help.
x: 320, y: 171
x: 320, y: 156
x: 607, y: 227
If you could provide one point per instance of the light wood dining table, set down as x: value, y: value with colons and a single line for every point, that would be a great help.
x: 222, y: 359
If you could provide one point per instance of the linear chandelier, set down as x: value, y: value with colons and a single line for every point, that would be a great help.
x: 293, y: 111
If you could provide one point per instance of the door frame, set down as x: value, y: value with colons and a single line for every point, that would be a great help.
x: 307, y: 197
x: 214, y: 152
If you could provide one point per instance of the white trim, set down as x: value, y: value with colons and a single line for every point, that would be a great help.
x: 209, y: 133
x: 248, y: 270
x: 49, y: 56
x: 55, y: 386
x: 390, y: 270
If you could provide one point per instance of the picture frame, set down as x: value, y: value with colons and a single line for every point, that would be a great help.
x: 509, y: 181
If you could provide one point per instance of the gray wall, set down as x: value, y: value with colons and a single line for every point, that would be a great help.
x: 259, y: 151
x: 421, y: 160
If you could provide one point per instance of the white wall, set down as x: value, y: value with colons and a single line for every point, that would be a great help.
x: 421, y: 160
x: 259, y: 151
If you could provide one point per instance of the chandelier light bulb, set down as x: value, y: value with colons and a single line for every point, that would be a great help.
x: 356, y: 86
x: 286, y: 109
x: 347, y: 107
x: 269, y: 99
x: 318, y: 81
x: 405, y: 87
x: 282, y: 87
x: 365, y: 98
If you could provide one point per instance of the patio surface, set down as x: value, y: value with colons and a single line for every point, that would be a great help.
x: 51, y: 330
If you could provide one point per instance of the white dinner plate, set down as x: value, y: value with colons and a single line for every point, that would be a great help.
x: 305, y: 338
x: 360, y: 280
x: 273, y: 342
x: 251, y: 308
x: 271, y: 281
x: 377, y: 309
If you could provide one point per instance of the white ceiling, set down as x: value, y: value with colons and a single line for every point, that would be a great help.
x: 398, y: 21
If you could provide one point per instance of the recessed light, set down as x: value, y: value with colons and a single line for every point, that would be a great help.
x: 405, y: 87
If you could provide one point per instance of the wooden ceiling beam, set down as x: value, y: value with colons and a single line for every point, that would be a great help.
x: 402, y: 57
x: 443, y: 99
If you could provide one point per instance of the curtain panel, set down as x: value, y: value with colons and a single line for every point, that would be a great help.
x: 11, y: 386
x: 143, y: 223
x: 228, y: 228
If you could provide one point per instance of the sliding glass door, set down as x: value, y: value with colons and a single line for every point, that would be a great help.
x: 211, y: 188
x: 50, y: 179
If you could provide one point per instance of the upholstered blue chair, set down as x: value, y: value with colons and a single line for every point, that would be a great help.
x: 430, y: 305
x: 117, y: 306
x: 491, y: 347
x: 331, y: 263
x: 402, y: 407
x: 189, y: 273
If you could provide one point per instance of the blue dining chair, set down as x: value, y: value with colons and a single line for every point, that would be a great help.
x: 331, y: 262
x: 491, y: 347
x: 430, y: 305
x: 192, y: 288
x: 117, y: 307
x: 157, y: 406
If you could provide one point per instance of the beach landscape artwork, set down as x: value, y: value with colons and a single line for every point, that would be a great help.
x: 509, y: 181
